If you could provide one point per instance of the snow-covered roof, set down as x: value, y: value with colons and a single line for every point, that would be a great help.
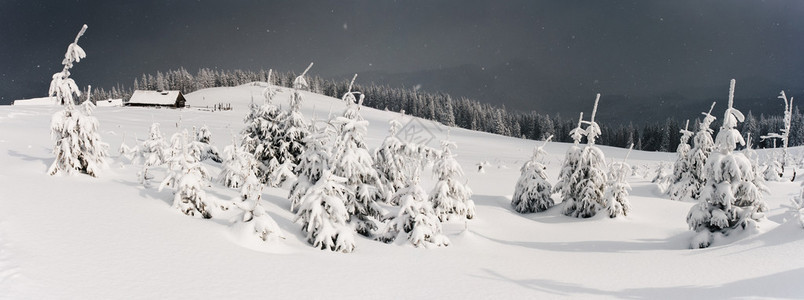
x: 36, y: 101
x: 109, y: 102
x: 154, y: 97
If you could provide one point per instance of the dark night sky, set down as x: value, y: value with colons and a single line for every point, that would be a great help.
x: 658, y: 45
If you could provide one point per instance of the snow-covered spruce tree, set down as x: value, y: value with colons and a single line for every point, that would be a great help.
x: 532, y: 192
x: 153, y: 152
x: 314, y: 160
x: 260, y: 135
x: 187, y: 177
x: 237, y: 165
x: 617, y: 189
x: 324, y: 215
x: 774, y: 166
x: 568, y: 177
x: 450, y: 197
x: 416, y: 217
x: 294, y: 129
x: 679, y: 188
x: 256, y: 220
x: 592, y: 172
x: 731, y: 198
x: 78, y: 145
x: 390, y: 160
x: 698, y: 155
x: 201, y: 147
x: 352, y: 161
x: 589, y: 177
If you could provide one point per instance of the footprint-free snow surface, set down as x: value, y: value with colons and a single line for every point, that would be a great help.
x: 78, y: 237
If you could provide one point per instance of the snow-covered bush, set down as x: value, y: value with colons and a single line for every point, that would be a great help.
x: 416, y: 218
x: 797, y: 207
x: 450, y: 197
x: 152, y: 152
x: 731, y: 198
x: 187, y: 177
x: 78, y: 145
x: 237, y: 165
x: 257, y: 221
x: 201, y: 148
x: 617, y: 189
x: 324, y: 216
x: 532, y: 192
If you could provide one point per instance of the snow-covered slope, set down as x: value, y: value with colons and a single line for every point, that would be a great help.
x: 79, y: 237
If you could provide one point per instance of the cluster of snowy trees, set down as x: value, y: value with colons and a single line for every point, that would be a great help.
x: 462, y: 112
x: 338, y: 188
x: 586, y: 184
x: 730, y: 198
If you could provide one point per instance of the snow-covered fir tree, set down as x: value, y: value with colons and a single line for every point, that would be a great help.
x: 153, y: 152
x: 261, y: 134
x: 698, y: 155
x: 532, y: 192
x: 682, y: 179
x: 324, y: 215
x: 237, y: 165
x: 416, y: 217
x: 352, y: 161
x: 731, y: 198
x: 617, y: 189
x: 589, y: 178
x: 294, y: 129
x: 568, y: 177
x: 450, y: 197
x: 390, y: 160
x: 78, y: 145
x: 188, y: 177
x: 201, y: 148
x: 255, y: 219
x: 314, y: 160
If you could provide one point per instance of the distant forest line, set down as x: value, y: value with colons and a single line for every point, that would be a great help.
x: 661, y: 135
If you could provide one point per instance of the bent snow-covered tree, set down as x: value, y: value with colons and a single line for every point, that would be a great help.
x: 78, y: 145
x: 532, y: 192
x: 775, y: 168
x: 731, y: 198
x: 450, y: 197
